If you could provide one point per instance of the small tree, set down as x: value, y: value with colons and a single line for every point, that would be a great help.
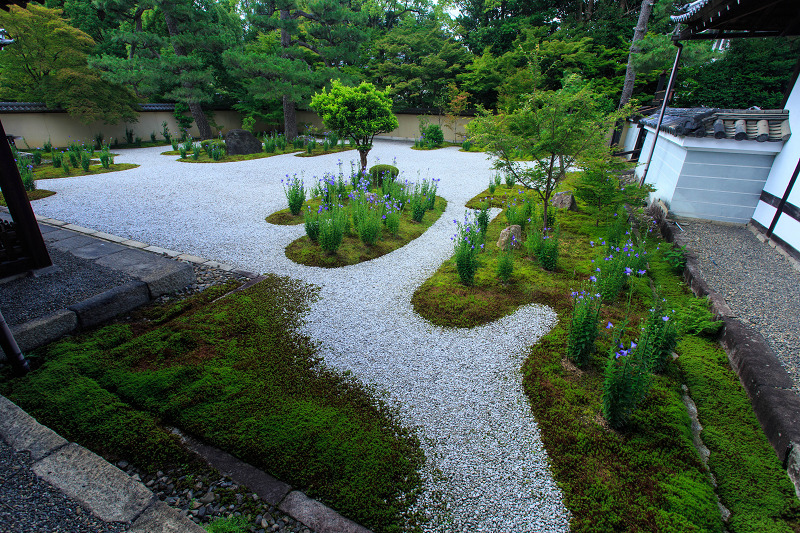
x: 549, y: 134
x: 356, y: 113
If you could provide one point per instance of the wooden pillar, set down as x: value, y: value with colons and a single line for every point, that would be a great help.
x: 19, y: 206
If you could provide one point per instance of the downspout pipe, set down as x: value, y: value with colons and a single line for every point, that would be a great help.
x: 670, y: 84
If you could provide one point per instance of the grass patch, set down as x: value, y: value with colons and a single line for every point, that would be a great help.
x: 647, y: 477
x: 353, y: 251
x: 205, y: 158
x: 48, y: 172
x: 236, y: 373
x: 38, y: 194
x: 319, y: 151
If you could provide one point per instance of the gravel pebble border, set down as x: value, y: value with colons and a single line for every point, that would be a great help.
x: 759, y: 284
x: 487, y: 469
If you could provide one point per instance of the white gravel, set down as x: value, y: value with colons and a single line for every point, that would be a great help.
x: 487, y: 469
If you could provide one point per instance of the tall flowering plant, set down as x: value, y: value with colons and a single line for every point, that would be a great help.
x: 468, y: 242
x: 583, y: 327
x: 295, y: 192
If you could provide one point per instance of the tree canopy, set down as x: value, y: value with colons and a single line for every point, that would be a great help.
x: 48, y: 62
x: 355, y: 113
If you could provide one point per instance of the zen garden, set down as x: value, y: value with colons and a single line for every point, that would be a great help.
x: 478, y: 328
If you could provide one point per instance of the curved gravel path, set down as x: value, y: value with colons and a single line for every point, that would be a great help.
x: 758, y: 283
x: 487, y: 469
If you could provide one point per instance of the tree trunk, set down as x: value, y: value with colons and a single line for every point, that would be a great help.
x: 197, y: 111
x: 289, y: 114
x: 363, y: 154
x: 638, y: 34
x: 137, y: 19
x: 289, y: 118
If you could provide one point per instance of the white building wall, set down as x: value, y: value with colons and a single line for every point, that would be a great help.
x: 787, y: 229
x: 707, y: 178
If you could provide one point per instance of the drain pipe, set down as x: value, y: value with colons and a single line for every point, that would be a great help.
x: 670, y: 84
x: 11, y: 349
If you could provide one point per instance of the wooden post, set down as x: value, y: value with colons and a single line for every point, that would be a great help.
x: 20, y: 207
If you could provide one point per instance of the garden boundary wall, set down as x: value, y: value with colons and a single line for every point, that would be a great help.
x: 768, y: 385
x: 32, y: 125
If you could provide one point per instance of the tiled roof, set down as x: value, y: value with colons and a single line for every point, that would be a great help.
x: 759, y: 125
x: 39, y: 107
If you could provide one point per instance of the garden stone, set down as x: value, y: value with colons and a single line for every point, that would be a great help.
x: 564, y: 200
x: 241, y: 142
x: 511, y: 231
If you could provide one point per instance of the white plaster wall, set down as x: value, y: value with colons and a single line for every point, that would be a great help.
x: 665, y: 166
x: 782, y: 169
x: 629, y: 135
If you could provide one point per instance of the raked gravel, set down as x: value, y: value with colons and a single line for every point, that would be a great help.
x: 487, y: 469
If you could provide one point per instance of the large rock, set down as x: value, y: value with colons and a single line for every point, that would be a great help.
x: 564, y: 200
x: 242, y: 142
x: 507, y: 233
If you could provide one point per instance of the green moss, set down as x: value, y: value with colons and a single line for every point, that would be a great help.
x: 751, y: 482
x: 236, y: 373
x: 32, y: 195
x: 48, y: 172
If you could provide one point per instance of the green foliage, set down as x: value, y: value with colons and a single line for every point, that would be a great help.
x: 106, y: 159
x: 311, y: 221
x: 627, y: 381
x: 85, y: 160
x: 468, y: 242
x: 600, y: 189
x: 505, y: 266
x: 37, y: 157
x: 56, y: 159
x: 583, y: 327
x: 555, y: 130
x: 432, y: 135
x: 676, y: 257
x: 26, y: 173
x: 295, y: 193
x: 355, y: 113
x: 179, y: 112
x: 48, y: 62
x: 332, y: 226
x: 378, y: 173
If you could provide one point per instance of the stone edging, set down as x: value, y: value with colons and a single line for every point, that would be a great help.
x: 100, y: 487
x: 151, y: 282
x: 768, y: 385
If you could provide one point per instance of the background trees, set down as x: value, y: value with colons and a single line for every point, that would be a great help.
x: 268, y: 57
x: 48, y: 62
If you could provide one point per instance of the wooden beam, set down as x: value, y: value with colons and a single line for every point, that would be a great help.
x: 19, y: 206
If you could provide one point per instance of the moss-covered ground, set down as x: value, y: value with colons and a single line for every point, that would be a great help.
x: 48, y: 171
x: 300, y: 152
x: 647, y: 477
x: 32, y: 195
x: 353, y: 251
x: 235, y: 372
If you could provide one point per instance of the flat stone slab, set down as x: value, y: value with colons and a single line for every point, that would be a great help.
x: 162, y: 518
x: 318, y: 517
x: 80, y: 229
x: 57, y: 235
x: 44, y: 330
x: 89, y: 479
x: 162, y: 275
x: 97, y: 249
x: 122, y: 299
x: 72, y: 243
x: 23, y: 433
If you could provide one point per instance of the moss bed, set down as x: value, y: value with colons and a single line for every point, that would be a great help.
x: 235, y: 372
x: 353, y: 251
x: 649, y: 476
x: 47, y: 172
x: 32, y: 195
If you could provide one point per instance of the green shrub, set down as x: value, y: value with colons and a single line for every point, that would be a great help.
x: 433, y: 135
x: 379, y: 173
x: 627, y: 381
x: 510, y: 179
x: 332, y: 224
x: 85, y: 161
x: 106, y: 159
x: 129, y: 135
x: 37, y: 157
x: 56, y: 158
x: 468, y: 242
x: 466, y: 145
x: 295, y: 193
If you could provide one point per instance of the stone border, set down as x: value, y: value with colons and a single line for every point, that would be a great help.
x: 768, y: 385
x: 103, y: 489
x: 312, y: 513
x: 157, y: 273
